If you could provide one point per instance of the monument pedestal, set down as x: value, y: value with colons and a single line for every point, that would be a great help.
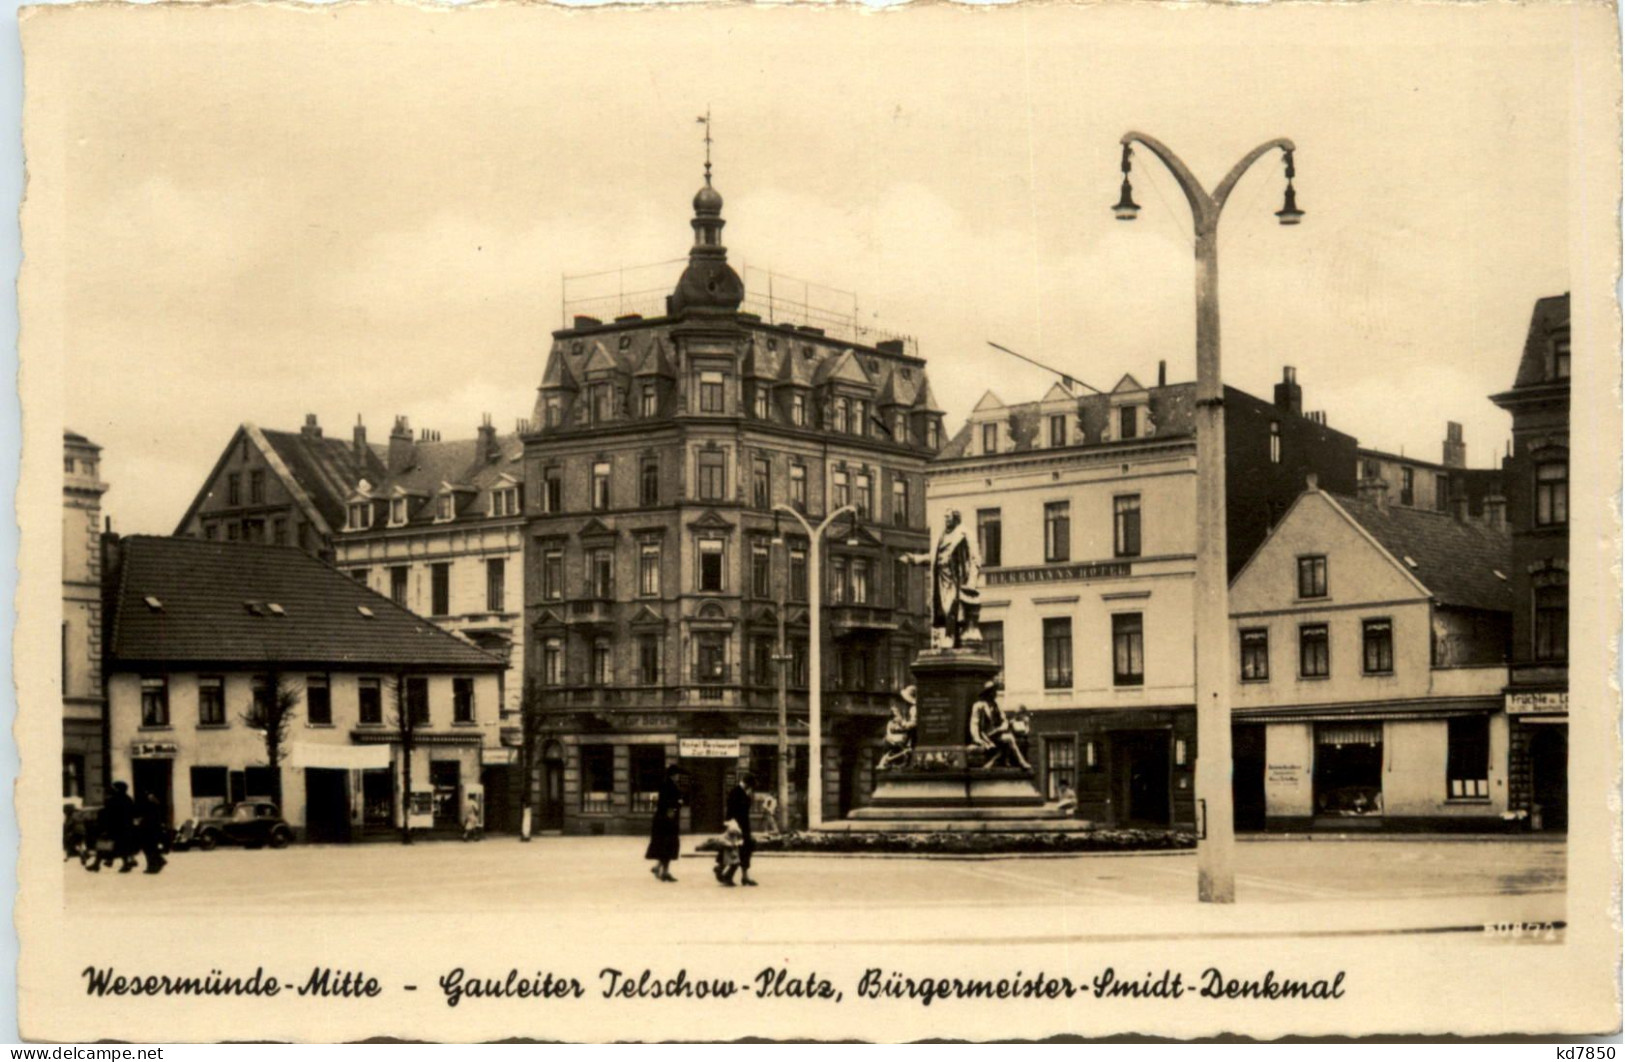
x: 946, y: 787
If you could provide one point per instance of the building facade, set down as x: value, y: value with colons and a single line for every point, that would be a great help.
x: 1370, y: 644
x: 84, y: 751
x: 659, y: 575
x: 1445, y: 486
x: 1537, y: 487
x: 204, y: 635
x: 1083, y: 505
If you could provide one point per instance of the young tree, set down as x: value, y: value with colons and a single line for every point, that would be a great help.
x: 406, y: 730
x: 273, y: 710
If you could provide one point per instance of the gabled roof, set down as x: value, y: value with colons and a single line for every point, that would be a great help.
x: 459, y: 465
x: 655, y: 361
x: 558, y: 375
x: 988, y: 403
x: 761, y: 363
x: 1128, y: 383
x: 201, y: 588
x: 601, y: 360
x: 793, y: 369
x: 1551, y: 316
x: 924, y: 400
x: 847, y: 368
x: 1457, y: 561
x: 896, y: 390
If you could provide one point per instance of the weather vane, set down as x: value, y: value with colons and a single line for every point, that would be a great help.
x: 705, y: 120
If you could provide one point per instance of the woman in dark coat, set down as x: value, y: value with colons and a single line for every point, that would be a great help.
x: 665, y: 834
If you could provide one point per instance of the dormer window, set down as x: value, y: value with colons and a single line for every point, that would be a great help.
x: 761, y: 404
x: 397, y: 512
x: 1128, y: 421
x: 860, y: 417
x: 505, y: 501
x: 933, y: 434
x: 650, y: 402
x: 1057, y: 430
x: 798, y: 410
x: 555, y: 412
x: 445, y: 507
x: 1560, y: 356
x: 360, y: 516
x: 843, y: 416
x: 899, y: 428
x: 990, y: 438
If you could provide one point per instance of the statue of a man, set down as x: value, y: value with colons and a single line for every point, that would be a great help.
x: 956, y: 580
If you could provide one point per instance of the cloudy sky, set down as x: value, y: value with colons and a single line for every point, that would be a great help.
x: 263, y: 212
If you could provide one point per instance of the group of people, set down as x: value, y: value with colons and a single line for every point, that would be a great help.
x: 1000, y: 738
x: 735, y: 846
x: 123, y: 827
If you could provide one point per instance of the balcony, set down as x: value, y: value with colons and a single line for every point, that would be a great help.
x: 591, y: 612
x: 846, y: 619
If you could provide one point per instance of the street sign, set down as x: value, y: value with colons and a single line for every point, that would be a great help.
x: 708, y: 748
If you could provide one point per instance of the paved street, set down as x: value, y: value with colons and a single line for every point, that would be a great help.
x: 1287, y: 887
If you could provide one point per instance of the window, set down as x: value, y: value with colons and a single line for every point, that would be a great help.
x: 1441, y: 492
x: 711, y: 564
x: 1057, y: 430
x: 761, y: 482
x: 1126, y: 525
x: 649, y: 403
x: 649, y: 482
x: 211, y: 531
x: 842, y: 489
x: 1560, y: 356
x: 1058, y: 653
x: 649, y: 569
x: 843, y: 416
x: 555, y: 412
x: 762, y: 403
x: 711, y: 392
x: 1058, y: 531
x: 440, y: 589
x: 798, y: 410
x: 597, y: 778
x: 990, y: 438
x: 259, y: 705
x: 1275, y: 442
x: 603, y: 667
x: 865, y: 494
x: 798, y: 575
x: 1128, y: 649
x: 1255, y: 655
x: 712, y: 478
x: 798, y: 664
x: 993, y: 640
x: 1314, y: 651
x: 648, y: 770
x: 798, y: 486
x: 599, y: 396
x: 899, y: 583
x: 1128, y: 422
x: 369, y: 702
x: 279, y: 531
x: 553, y: 575
x: 234, y: 488
x: 860, y: 581
x: 899, y: 427
x: 318, y: 701
x: 211, y: 700
x: 711, y: 659
x: 1551, y: 493
x: 989, y: 537
x: 552, y: 490
x: 417, y: 700
x: 601, y: 574
x: 398, y: 513
x: 1379, y: 646
x: 505, y: 501
x: 233, y: 531
x: 600, y: 486
x: 1060, y: 765
x: 761, y: 660
x: 1407, y: 486
x: 860, y: 417
x: 552, y: 662
x: 1467, y: 766
x: 761, y: 579
x: 1551, y: 623
x: 933, y: 434
x: 445, y: 507
x: 210, y: 783
x: 67, y: 465
x: 899, y: 501
x: 648, y: 660
x: 837, y: 580
x: 1312, y: 576
x: 496, y: 585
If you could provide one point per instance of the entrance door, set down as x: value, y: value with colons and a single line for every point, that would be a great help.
x: 327, y: 806
x: 445, y: 778
x: 552, y: 810
x: 1140, y: 762
x: 707, y: 793
x: 1247, y: 745
x: 378, y: 798
x: 154, y: 777
x: 1549, y: 761
x: 499, y: 799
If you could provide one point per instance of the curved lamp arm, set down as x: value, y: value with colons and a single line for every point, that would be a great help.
x: 1221, y: 193
x: 1205, y: 207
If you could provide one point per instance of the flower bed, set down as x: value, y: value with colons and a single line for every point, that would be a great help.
x: 955, y: 843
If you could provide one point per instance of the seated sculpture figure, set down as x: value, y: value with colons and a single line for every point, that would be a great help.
x: 900, y: 731
x: 991, y: 733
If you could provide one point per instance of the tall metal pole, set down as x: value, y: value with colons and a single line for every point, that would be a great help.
x: 783, y: 658
x: 1215, y: 847
x: 815, y: 652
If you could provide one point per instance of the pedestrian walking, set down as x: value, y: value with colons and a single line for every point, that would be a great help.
x: 738, y: 809
x: 665, y: 833
x: 150, y: 830
x: 118, y: 826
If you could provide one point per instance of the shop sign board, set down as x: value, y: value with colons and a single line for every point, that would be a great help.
x: 708, y: 748
x: 153, y: 750
x: 1547, y: 702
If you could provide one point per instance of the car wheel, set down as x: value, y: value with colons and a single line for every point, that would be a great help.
x: 280, y: 838
x: 207, y: 840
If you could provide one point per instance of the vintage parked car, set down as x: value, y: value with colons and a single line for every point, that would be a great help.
x: 250, y: 823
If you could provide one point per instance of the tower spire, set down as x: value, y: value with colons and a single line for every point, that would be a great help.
x: 705, y: 120
x: 708, y: 282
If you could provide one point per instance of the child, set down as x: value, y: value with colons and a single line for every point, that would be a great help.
x: 728, y: 852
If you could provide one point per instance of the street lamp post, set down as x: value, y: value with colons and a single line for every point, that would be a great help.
x: 815, y: 662
x: 1216, y: 879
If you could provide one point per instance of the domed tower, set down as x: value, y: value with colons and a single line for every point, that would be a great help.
x: 708, y: 282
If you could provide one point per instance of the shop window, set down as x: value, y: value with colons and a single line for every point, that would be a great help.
x: 260, y: 782
x: 1255, y: 655
x: 1060, y: 765
x: 1379, y: 646
x: 1312, y: 576
x: 648, y: 770
x: 1468, y: 767
x: 155, y: 702
x: 318, y: 701
x: 597, y: 778
x: 1058, y: 653
x: 1128, y: 649
x: 1314, y: 651
x: 370, y: 702
x: 209, y: 783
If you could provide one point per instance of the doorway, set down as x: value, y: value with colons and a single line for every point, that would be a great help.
x: 445, y: 778
x: 327, y: 806
x: 1140, y: 766
x: 552, y: 796
x: 154, y: 778
x: 1549, y: 763
x: 378, y: 798
x: 1247, y: 750
x: 500, y: 802
x: 1348, y: 771
x: 707, y: 793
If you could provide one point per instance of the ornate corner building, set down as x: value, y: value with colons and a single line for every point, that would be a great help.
x: 657, y: 573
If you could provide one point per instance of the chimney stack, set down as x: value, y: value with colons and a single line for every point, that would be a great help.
x: 359, y: 444
x: 1288, y: 395
x: 1495, y: 511
x: 1455, y: 449
x: 1459, y: 507
x: 311, y: 430
x: 1374, y: 490
x: 489, y: 450
x: 1162, y: 373
x: 402, y: 450
x: 1312, y: 482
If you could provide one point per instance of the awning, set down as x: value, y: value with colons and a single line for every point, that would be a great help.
x: 339, y: 757
x: 1348, y: 734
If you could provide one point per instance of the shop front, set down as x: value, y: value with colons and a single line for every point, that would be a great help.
x: 1128, y: 768
x: 1540, y: 757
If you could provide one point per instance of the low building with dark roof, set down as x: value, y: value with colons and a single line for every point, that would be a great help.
x: 1445, y: 486
x: 1370, y: 643
x: 200, y: 637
